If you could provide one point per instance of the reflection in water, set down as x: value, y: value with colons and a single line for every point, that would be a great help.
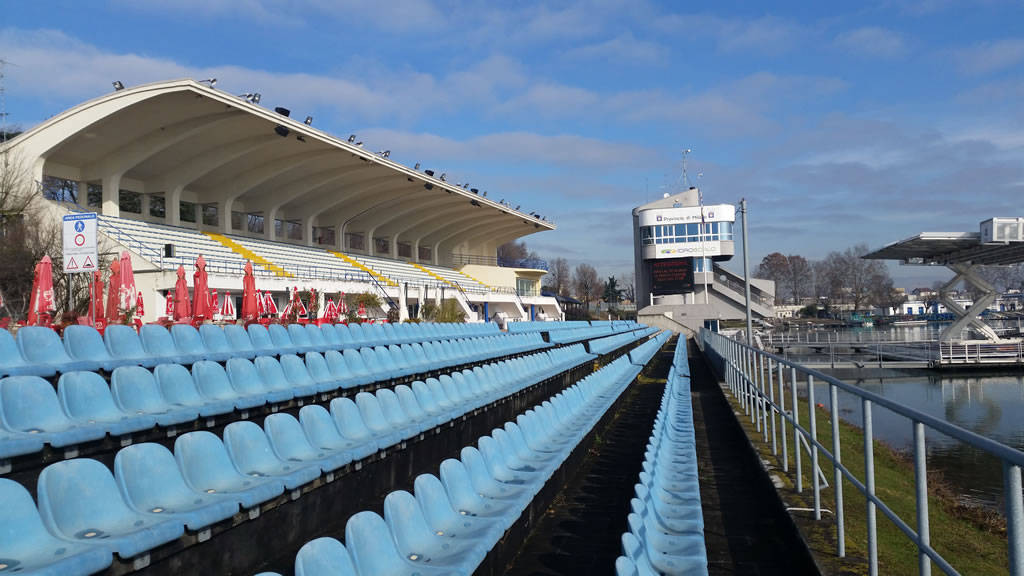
x: 987, y: 405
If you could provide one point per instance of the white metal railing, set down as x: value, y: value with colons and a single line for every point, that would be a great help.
x: 758, y: 380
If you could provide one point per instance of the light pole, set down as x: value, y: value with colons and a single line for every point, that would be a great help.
x: 746, y: 270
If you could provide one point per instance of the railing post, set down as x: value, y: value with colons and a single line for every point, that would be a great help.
x: 1014, y: 517
x: 869, y: 484
x: 833, y: 393
x: 812, y: 414
x: 924, y: 563
x: 796, y: 432
x: 771, y: 405
x: 759, y: 406
x: 782, y: 415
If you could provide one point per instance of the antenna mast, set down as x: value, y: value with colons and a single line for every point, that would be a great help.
x: 3, y: 104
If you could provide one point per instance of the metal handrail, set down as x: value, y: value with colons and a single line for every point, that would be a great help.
x: 753, y: 375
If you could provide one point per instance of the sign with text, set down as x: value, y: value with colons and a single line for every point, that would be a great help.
x: 671, y: 276
x: 685, y: 215
x: 80, y: 243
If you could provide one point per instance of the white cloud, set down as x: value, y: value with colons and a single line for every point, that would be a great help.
x: 990, y: 57
x: 872, y: 41
x: 624, y: 48
x: 766, y: 35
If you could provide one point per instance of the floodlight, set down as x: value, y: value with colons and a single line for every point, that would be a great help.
x: 282, y: 110
x: 281, y: 130
x: 351, y: 138
x: 210, y: 81
x: 416, y: 167
x: 309, y: 120
x: 118, y: 85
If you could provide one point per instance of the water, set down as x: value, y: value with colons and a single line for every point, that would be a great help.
x: 990, y: 405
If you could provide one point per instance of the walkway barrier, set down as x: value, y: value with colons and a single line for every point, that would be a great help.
x: 764, y: 383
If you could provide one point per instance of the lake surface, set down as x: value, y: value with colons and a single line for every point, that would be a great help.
x: 990, y: 405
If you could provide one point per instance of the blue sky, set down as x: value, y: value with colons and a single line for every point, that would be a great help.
x: 839, y: 122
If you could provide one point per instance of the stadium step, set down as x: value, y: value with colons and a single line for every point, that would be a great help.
x: 249, y: 254
x: 436, y: 276
x: 376, y: 275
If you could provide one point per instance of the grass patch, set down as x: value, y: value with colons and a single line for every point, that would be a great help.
x: 972, y: 540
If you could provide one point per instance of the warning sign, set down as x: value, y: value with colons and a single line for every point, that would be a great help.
x: 80, y: 242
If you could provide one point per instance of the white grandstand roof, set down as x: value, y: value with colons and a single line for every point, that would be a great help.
x: 949, y: 248
x: 183, y: 137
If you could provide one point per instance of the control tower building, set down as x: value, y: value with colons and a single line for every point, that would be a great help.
x: 677, y: 245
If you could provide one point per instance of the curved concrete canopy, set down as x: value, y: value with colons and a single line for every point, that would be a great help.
x: 191, y: 141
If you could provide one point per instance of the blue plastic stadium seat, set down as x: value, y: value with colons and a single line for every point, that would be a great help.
x: 443, y: 518
x: 338, y: 366
x: 344, y: 336
x: 28, y: 405
x: 373, y: 549
x: 178, y: 388
x: 250, y: 450
x: 213, y: 382
x: 328, y: 336
x: 350, y: 423
x: 323, y: 433
x: 41, y: 345
x: 26, y: 547
x: 190, y: 343
x: 86, y: 398
x: 324, y: 557
x: 216, y: 342
x: 260, y: 340
x: 246, y: 379
x: 207, y: 468
x: 298, y: 376
x: 150, y: 482
x: 318, y: 370
x: 84, y: 343
x: 79, y: 501
x: 407, y: 425
x: 135, y: 391
x: 274, y: 378
x: 289, y: 442
x: 13, y: 364
x: 17, y: 444
x: 373, y: 417
x: 159, y: 344
x: 282, y: 340
x: 416, y: 541
x: 125, y: 344
x: 356, y: 366
x: 300, y: 338
x: 238, y: 339
x: 416, y: 412
x: 465, y: 498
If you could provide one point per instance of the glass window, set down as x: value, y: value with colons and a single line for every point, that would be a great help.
x: 691, y: 229
x: 187, y: 211
x: 157, y: 206
x: 680, y: 229
x: 129, y: 201
x: 210, y: 214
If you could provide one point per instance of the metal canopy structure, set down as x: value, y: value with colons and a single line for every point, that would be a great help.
x: 185, y: 141
x: 1000, y: 242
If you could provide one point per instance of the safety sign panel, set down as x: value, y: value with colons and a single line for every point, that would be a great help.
x: 80, y: 242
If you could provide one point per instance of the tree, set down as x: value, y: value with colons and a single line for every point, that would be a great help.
x: 884, y: 295
x: 859, y: 273
x: 799, y: 277
x: 585, y: 283
x: 558, y: 276
x: 629, y: 287
x: 612, y: 292
x: 775, y: 267
x: 512, y: 251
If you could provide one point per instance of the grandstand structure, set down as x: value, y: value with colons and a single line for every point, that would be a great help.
x: 177, y: 169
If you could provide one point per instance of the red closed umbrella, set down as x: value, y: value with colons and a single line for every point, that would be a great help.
x: 250, y: 306
x: 182, y: 307
x: 271, y: 304
x: 140, y: 308
x: 214, y: 300
x: 227, y: 310
x: 114, y: 284
x: 169, y: 311
x: 127, y: 294
x: 261, y: 304
x: 96, y: 297
x: 201, y: 291
x: 41, y: 302
x: 342, y: 305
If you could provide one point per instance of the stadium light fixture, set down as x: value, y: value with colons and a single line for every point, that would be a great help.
x: 211, y: 81
x: 300, y: 138
x: 282, y: 111
x: 256, y: 97
x: 281, y: 131
x: 428, y: 172
x: 118, y: 85
x: 351, y: 138
x: 309, y: 120
x: 416, y: 167
x: 444, y: 176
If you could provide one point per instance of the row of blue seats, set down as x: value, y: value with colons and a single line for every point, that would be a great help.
x: 666, y: 523
x: 643, y: 353
x: 449, y: 523
x: 86, y: 513
x: 580, y: 334
x: 39, y: 351
x: 518, y: 327
x: 85, y: 408
x: 616, y: 341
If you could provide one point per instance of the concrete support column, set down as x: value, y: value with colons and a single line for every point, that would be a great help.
x: 339, y: 237
x: 111, y: 195
x: 307, y: 231
x: 270, y: 223
x: 403, y: 302
x: 422, y: 299
x: 172, y: 205
x: 224, y: 208
x: 144, y: 200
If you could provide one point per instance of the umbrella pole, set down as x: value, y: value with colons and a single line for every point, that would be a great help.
x: 70, y: 276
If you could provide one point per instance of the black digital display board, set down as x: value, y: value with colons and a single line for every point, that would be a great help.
x: 673, y: 276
